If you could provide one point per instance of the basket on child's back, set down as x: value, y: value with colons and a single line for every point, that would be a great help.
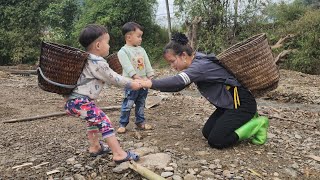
x: 252, y: 63
x: 61, y: 66
x: 114, y: 63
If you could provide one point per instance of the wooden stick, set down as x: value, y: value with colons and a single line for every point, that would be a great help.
x: 51, y: 115
x: 23, y: 72
x: 22, y: 165
x: 291, y: 120
x: 144, y: 171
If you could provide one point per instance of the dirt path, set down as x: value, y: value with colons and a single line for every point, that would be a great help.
x: 59, y: 143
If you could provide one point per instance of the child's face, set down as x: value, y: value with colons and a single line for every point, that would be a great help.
x: 135, y: 37
x: 176, y: 62
x: 103, y: 45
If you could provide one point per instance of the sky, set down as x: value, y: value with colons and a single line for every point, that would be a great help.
x: 161, y: 14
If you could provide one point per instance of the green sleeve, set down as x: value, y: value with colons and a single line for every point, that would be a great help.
x: 149, y: 70
x: 126, y: 63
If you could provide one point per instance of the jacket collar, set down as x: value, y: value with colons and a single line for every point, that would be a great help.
x: 96, y: 58
x: 211, y: 57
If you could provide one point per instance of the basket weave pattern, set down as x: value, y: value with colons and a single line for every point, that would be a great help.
x: 252, y: 63
x: 114, y: 63
x: 61, y: 64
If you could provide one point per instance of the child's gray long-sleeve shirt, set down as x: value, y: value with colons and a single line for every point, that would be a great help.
x: 94, y: 75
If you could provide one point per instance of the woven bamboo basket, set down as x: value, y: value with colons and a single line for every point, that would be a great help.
x: 252, y: 63
x: 114, y: 63
x: 60, y: 67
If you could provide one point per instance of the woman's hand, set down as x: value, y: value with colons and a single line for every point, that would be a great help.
x: 145, y: 83
x: 136, y: 85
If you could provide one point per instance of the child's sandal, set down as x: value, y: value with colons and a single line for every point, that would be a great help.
x: 103, y: 150
x: 130, y: 156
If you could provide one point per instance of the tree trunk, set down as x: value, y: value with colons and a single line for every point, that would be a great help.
x: 169, y: 19
x: 235, y: 18
x: 192, y: 29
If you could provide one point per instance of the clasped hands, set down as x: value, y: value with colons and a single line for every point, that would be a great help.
x: 137, y: 84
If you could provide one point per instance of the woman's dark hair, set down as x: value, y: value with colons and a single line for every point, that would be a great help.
x: 90, y: 33
x: 179, y: 44
x: 130, y: 26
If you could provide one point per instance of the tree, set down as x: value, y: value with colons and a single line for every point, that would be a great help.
x: 58, y: 20
x: 312, y: 3
x: 114, y: 14
x: 212, y: 20
x: 20, y: 30
x: 24, y: 24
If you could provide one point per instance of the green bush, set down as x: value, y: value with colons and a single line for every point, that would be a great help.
x: 302, y: 21
x: 155, y: 44
x: 307, y: 42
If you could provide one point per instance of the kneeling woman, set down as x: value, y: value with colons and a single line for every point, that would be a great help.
x: 236, y: 115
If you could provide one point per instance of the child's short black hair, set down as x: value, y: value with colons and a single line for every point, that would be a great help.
x: 90, y: 33
x: 130, y: 26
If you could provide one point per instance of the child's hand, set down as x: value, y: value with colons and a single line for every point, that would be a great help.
x: 136, y: 85
x: 136, y: 77
x: 147, y: 83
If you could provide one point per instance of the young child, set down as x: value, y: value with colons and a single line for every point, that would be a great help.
x: 136, y: 65
x: 80, y: 103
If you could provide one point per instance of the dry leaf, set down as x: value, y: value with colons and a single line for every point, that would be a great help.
x: 255, y: 173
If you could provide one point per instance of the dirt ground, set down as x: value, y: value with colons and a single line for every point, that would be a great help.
x: 292, y: 150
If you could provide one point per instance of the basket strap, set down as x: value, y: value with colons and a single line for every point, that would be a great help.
x: 236, y: 98
x: 55, y: 83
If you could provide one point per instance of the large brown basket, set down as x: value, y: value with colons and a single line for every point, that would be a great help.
x: 114, y: 63
x: 60, y: 67
x: 252, y: 63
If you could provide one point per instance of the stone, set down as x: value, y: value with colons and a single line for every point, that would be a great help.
x: 191, y: 171
x: 168, y: 169
x: 71, y: 161
x: 212, y: 166
x: 78, y: 166
x: 138, y: 145
x: 207, y: 174
x: 78, y: 177
x: 176, y: 177
x: 166, y: 174
x: 190, y: 177
x: 291, y: 172
x: 158, y: 160
x: 121, y: 167
x: 173, y: 165
x: 201, y: 153
x: 142, y: 151
x: 203, y: 162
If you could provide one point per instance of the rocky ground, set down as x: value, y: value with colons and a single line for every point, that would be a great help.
x: 56, y: 147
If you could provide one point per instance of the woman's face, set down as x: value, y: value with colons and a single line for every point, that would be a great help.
x: 176, y: 62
